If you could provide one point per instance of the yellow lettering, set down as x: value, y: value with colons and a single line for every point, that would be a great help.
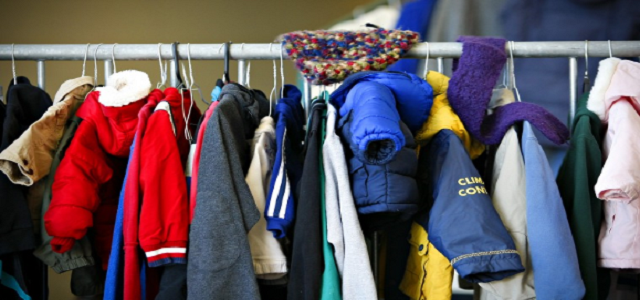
x: 468, y: 181
x: 461, y: 181
x: 480, y: 180
x: 480, y: 189
x: 461, y: 193
x: 471, y: 191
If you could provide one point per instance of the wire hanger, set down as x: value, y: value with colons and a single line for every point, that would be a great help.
x: 275, y: 84
x: 426, y: 62
x: 113, y: 57
x: 13, y: 65
x: 192, y: 82
x: 512, y: 75
x: 281, y: 73
x: 84, y: 62
x: 95, y: 66
x: 610, y: 52
x: 163, y: 71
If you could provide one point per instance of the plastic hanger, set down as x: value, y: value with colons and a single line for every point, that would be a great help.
x: 610, y: 52
x: 176, y: 61
x: 281, y: 73
x: 163, y: 71
x: 225, y: 74
x: 13, y: 66
x: 84, y: 61
x: 586, y: 83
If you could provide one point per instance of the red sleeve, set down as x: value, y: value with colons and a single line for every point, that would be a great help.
x: 75, y: 190
x: 164, y: 214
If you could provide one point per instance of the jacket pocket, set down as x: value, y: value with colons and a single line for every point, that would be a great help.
x: 359, y: 179
x: 215, y: 254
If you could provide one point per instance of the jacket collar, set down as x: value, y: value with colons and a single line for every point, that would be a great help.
x: 124, y: 87
x: 596, y: 102
x: 70, y: 85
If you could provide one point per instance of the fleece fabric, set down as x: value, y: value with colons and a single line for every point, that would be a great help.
x: 195, y: 160
x: 470, y: 88
x: 343, y: 228
x: 577, y: 177
x: 25, y: 105
x: 553, y: 256
x: 220, y: 263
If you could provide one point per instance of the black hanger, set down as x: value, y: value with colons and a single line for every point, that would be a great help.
x: 176, y: 62
x: 227, y: 46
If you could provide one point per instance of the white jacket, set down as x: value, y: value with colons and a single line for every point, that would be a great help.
x: 269, y: 262
x: 343, y: 227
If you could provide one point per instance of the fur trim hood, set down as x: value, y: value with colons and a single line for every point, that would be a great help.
x: 596, y: 103
x: 124, y: 88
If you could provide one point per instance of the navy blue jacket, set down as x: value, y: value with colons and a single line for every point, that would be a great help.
x: 461, y: 220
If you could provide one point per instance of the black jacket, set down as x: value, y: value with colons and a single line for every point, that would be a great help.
x: 25, y: 104
x: 307, y: 262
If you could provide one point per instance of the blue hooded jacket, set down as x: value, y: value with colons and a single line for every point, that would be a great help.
x: 461, y: 220
x: 287, y: 167
x: 381, y: 152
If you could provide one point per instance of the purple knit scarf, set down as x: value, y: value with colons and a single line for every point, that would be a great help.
x: 470, y: 88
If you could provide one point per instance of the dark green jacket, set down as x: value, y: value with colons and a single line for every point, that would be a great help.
x: 576, y: 180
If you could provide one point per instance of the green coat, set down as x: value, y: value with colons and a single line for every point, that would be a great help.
x: 576, y: 180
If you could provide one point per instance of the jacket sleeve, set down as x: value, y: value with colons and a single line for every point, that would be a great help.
x: 75, y: 191
x: 376, y: 135
x: 164, y: 214
x: 462, y: 223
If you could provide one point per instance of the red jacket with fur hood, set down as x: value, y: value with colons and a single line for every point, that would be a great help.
x: 87, y: 183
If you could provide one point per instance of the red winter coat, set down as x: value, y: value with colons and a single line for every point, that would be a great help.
x: 156, y: 209
x: 87, y: 183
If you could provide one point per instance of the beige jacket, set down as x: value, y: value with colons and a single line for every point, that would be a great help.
x: 28, y: 158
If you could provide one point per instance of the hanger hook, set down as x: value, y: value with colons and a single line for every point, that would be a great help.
x: 610, y: 52
x: 13, y: 65
x: 586, y: 58
x: 113, y: 57
x: 95, y: 65
x: 426, y: 62
x: 84, y: 62
x: 190, y: 69
x: 281, y: 72
x: 248, y: 74
x: 275, y: 83
x: 512, y: 74
x: 163, y: 71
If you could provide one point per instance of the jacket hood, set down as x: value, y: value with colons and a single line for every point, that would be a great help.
x: 442, y: 117
x: 413, y: 95
x: 124, y: 87
x: 596, y: 103
x: 583, y: 111
x: 253, y: 103
x: 625, y: 84
x: 71, y: 84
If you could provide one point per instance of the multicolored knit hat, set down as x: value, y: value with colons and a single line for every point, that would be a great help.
x: 326, y: 57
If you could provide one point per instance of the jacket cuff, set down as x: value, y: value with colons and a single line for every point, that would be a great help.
x: 166, y: 253
x: 488, y: 266
x: 61, y: 244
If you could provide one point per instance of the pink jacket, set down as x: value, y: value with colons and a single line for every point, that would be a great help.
x: 619, y: 182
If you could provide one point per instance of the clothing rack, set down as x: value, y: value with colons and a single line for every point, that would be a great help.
x: 242, y: 52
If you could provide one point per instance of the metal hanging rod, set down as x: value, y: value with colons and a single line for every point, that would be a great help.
x: 262, y: 51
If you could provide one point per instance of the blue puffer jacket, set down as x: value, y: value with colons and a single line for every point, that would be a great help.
x: 413, y: 95
x: 381, y: 152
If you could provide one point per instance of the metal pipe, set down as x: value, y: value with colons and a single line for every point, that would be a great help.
x: 173, y: 74
x: 108, y: 69
x: 573, y: 89
x: 261, y: 51
x: 41, y: 75
x: 242, y: 72
x: 440, y: 65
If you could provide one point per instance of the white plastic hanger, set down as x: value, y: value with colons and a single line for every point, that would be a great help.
x: 84, y: 62
x: 13, y: 66
x: 163, y: 71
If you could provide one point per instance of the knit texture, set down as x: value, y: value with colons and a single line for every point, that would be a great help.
x: 475, y: 74
x: 326, y: 57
